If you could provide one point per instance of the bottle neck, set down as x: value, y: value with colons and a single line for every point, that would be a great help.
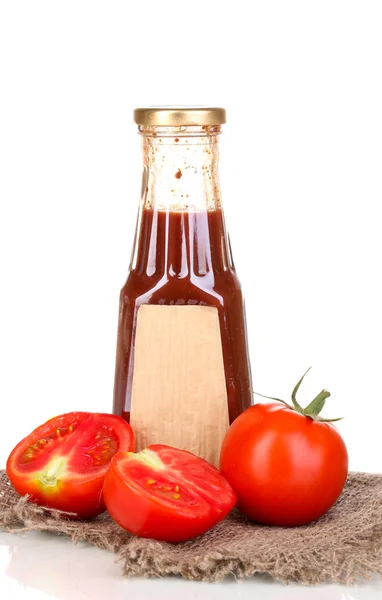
x: 180, y: 168
x: 181, y: 230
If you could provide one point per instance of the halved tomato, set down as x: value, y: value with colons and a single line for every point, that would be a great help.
x: 62, y: 464
x: 165, y: 493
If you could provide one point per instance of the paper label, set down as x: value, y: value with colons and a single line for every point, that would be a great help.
x: 179, y: 394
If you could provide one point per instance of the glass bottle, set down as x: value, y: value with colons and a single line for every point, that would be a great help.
x: 181, y: 254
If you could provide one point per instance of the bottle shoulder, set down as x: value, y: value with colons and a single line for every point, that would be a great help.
x: 212, y: 288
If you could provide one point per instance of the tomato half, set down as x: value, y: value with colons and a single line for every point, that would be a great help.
x: 166, y: 494
x: 286, y: 468
x: 62, y: 464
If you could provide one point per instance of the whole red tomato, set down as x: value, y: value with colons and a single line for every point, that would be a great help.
x: 62, y: 464
x: 285, y: 467
x: 165, y: 493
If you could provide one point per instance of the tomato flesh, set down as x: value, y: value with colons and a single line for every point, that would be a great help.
x: 62, y: 463
x: 285, y: 468
x: 165, y: 493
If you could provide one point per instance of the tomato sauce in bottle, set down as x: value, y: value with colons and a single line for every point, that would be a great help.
x: 181, y: 253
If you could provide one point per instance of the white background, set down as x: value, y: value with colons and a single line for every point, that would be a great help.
x: 301, y: 181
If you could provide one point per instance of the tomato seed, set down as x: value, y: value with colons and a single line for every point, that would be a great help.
x: 151, y: 481
x: 176, y: 488
x: 176, y: 496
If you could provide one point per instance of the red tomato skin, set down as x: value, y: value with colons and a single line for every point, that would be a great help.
x: 285, y: 468
x: 84, y: 500
x: 138, y: 512
x: 80, y: 494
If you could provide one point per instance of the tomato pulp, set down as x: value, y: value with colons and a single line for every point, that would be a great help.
x: 165, y: 493
x: 286, y: 468
x: 184, y: 258
x: 62, y: 464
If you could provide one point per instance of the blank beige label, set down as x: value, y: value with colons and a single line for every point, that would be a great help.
x: 179, y: 394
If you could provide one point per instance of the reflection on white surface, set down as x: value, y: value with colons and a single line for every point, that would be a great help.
x: 47, y: 567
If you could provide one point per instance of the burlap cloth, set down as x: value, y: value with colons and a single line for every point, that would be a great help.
x: 344, y: 546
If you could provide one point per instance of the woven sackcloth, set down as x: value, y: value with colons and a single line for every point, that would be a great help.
x: 343, y: 546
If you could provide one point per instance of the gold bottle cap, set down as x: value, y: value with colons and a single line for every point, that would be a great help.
x: 176, y: 116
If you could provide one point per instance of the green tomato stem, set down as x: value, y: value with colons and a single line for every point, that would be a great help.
x: 312, y: 411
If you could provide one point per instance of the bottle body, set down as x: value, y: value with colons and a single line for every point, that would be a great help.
x: 183, y: 237
x: 182, y: 257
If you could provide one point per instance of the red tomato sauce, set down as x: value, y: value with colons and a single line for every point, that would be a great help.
x: 184, y: 258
